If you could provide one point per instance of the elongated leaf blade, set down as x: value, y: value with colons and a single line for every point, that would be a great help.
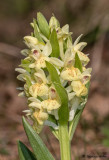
x: 53, y: 73
x: 43, y: 25
x: 24, y: 152
x: 36, y: 33
x: 78, y: 63
x: 54, y: 44
x: 40, y: 150
x: 63, y: 111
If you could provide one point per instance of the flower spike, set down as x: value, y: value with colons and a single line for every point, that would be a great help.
x: 52, y: 62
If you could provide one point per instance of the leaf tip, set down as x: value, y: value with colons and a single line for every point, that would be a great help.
x: 23, y: 120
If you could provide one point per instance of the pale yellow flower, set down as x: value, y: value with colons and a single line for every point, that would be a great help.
x: 50, y: 104
x: 35, y: 104
x: 71, y: 73
x: 39, y: 60
x: 86, y: 75
x: 40, y: 56
x: 52, y: 93
x: 33, y: 42
x: 40, y: 76
x: 30, y: 41
x: 77, y: 48
x: 38, y: 89
x: 57, y: 62
x: 39, y: 63
x: 53, y: 23
x: 79, y: 88
x: 69, y: 58
x: 84, y: 58
x: 40, y: 116
x: 63, y: 32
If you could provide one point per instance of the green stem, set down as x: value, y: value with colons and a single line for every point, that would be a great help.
x: 64, y: 142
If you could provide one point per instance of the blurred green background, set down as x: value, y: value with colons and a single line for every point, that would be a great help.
x: 90, y: 17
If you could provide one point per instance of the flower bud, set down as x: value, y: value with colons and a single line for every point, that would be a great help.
x: 53, y: 23
x: 30, y: 41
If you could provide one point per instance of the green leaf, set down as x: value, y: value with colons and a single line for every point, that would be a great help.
x: 24, y: 152
x: 25, y: 61
x: 53, y: 73
x: 40, y: 150
x: 88, y: 85
x: 54, y: 44
x: 70, y: 37
x: 25, y: 64
x: 78, y: 63
x: 36, y: 33
x: 63, y: 111
x: 28, y: 80
x: 43, y: 25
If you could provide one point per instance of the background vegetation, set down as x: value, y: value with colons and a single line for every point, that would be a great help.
x: 90, y: 17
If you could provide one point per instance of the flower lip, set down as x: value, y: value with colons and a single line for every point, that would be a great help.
x: 35, y: 51
x: 53, y: 90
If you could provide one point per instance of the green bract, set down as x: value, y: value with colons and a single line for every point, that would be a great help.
x: 55, y: 83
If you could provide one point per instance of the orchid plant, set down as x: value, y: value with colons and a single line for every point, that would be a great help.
x: 56, y: 83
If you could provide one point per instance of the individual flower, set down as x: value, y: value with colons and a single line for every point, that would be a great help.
x: 40, y: 116
x: 79, y: 88
x: 33, y: 42
x: 71, y: 73
x: 53, y: 23
x: 38, y: 89
x: 77, y: 48
x: 50, y: 104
